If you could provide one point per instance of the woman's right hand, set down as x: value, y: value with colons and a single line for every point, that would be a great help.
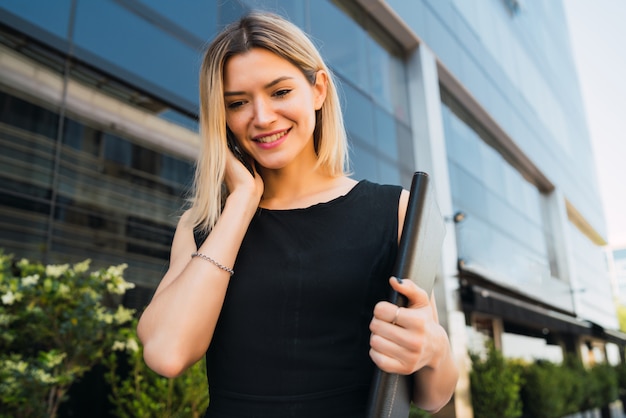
x: 240, y: 181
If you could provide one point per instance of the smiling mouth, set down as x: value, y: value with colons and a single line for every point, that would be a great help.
x: 271, y: 138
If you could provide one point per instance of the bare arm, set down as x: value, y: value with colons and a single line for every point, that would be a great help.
x: 177, y: 326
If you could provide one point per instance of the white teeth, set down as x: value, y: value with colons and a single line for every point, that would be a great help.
x: 271, y: 138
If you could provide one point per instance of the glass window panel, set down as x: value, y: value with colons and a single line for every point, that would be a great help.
x: 81, y: 137
x: 342, y: 43
x: 359, y: 115
x: 176, y: 170
x: 381, y: 73
x: 145, y: 159
x: 117, y: 150
x: 388, y: 173
x: 385, y: 133
x: 52, y: 16
x: 504, y: 229
x: 24, y: 115
x: 363, y: 164
x: 178, y: 118
x: 295, y: 11
x: 137, y: 50
x: 405, y: 148
x: 197, y: 16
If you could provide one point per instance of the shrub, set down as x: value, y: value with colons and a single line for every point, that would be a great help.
x: 416, y: 412
x: 620, y: 372
x: 56, y: 323
x: 544, y: 393
x: 606, y: 381
x: 574, y: 384
x: 495, y: 385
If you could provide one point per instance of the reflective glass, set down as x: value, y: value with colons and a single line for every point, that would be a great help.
x: 363, y: 163
x: 504, y: 230
x: 385, y: 133
x: 196, y: 16
x: 52, y: 16
x: 113, y: 200
x: 137, y: 49
x: 589, y: 278
x: 342, y: 43
x: 294, y: 10
x: 358, y: 112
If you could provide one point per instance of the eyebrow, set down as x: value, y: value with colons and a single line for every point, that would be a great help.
x: 267, y: 86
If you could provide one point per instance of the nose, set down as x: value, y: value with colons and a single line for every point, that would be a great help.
x: 264, y: 113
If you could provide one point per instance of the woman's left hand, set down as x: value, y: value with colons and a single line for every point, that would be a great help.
x: 405, y: 340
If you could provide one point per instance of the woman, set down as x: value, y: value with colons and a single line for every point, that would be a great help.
x: 295, y: 327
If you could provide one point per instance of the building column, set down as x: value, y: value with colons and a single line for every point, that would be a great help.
x: 431, y: 157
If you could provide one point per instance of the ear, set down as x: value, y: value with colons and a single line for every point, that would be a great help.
x: 320, y: 88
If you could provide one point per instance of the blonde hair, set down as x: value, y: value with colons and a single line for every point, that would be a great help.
x: 283, y: 38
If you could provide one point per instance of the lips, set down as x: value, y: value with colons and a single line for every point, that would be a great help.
x: 268, y: 139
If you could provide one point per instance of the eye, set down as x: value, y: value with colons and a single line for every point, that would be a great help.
x: 282, y: 93
x: 235, y: 105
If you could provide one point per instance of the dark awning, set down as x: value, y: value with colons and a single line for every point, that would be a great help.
x: 536, y: 318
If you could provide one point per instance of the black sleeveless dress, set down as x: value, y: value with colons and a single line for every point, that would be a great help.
x: 292, y: 339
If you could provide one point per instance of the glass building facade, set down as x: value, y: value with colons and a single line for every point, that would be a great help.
x: 98, y: 134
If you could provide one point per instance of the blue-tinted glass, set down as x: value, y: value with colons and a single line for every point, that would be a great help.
x: 358, y: 114
x: 294, y: 10
x: 81, y: 137
x: 342, y: 43
x: 504, y: 230
x: 388, y: 173
x: 406, y: 153
x: 363, y: 163
x: 381, y: 74
x: 196, y: 16
x: 117, y: 150
x: 387, y: 81
x: 136, y: 49
x: 21, y: 114
x: 52, y: 16
x: 176, y: 170
x: 386, y: 135
x: 178, y: 118
x: 492, y: 166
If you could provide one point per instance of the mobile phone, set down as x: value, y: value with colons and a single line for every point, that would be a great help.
x: 234, y: 147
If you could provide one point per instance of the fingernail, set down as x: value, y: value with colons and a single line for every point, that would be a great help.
x: 398, y: 279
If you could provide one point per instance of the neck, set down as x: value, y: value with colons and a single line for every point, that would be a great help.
x: 286, y: 186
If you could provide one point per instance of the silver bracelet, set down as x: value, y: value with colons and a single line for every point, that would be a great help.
x: 209, y: 259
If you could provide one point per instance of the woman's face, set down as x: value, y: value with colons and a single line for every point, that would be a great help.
x: 270, y: 108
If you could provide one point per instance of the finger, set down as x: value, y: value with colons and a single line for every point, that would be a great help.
x: 389, y: 364
x: 416, y: 296
x: 387, y: 312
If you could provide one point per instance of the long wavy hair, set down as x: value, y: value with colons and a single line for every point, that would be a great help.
x: 283, y: 38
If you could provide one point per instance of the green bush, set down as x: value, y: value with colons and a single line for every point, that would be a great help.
x: 606, y: 382
x: 415, y: 412
x: 495, y: 385
x: 545, y: 392
x: 574, y: 383
x: 553, y: 391
x: 620, y: 372
x: 56, y: 323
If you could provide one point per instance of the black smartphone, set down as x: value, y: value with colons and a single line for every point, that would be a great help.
x: 234, y: 147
